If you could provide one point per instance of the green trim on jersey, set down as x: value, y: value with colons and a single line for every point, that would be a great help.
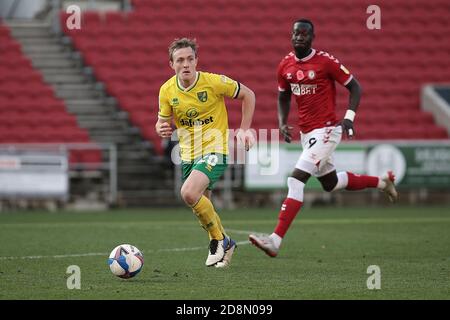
x: 212, y: 164
x: 197, y: 75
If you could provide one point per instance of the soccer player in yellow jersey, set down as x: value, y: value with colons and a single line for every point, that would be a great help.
x: 195, y: 101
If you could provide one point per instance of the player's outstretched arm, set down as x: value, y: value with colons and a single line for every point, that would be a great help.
x: 284, y: 104
x: 163, y: 128
x: 244, y: 135
x: 355, y: 96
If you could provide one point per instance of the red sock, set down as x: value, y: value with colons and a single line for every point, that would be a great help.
x: 358, y: 182
x: 289, y: 210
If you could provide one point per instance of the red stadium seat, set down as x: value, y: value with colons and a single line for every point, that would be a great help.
x: 29, y: 110
x: 247, y: 39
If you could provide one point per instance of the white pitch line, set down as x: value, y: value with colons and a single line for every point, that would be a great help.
x: 56, y: 256
x: 91, y: 254
x: 193, y: 248
x: 247, y: 232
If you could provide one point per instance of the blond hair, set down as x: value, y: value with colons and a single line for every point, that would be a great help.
x: 182, y: 43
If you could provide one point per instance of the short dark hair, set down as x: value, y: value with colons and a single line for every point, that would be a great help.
x: 182, y: 43
x: 303, y: 20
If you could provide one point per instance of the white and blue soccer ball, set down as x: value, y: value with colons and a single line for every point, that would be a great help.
x: 126, y: 261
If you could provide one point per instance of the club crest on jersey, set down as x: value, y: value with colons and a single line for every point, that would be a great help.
x: 300, y: 75
x: 311, y: 74
x: 303, y: 89
x: 202, y: 96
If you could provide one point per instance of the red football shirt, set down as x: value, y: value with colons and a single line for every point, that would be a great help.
x: 312, y: 81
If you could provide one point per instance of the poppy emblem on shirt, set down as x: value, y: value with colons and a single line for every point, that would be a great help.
x: 300, y: 75
x: 311, y: 74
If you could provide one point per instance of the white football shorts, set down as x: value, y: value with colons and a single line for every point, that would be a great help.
x: 318, y: 148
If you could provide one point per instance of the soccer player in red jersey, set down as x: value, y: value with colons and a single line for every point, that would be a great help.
x: 310, y: 76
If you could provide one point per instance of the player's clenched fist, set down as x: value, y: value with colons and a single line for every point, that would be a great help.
x: 285, y: 130
x: 347, y: 126
x: 163, y: 129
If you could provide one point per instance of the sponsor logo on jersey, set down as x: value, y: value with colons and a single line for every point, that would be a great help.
x: 295, y: 88
x: 308, y: 89
x: 202, y: 96
x: 311, y: 74
x: 191, y: 113
x: 303, y: 89
x: 300, y: 75
x: 196, y: 122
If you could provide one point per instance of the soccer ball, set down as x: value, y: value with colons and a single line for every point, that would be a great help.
x: 125, y: 261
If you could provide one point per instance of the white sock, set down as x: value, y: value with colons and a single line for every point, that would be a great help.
x: 342, y: 181
x: 276, y: 239
x: 381, y: 184
x: 295, y: 189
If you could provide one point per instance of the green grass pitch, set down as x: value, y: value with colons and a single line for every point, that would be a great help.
x: 325, y: 255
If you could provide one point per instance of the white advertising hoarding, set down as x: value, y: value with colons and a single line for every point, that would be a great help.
x: 34, y: 175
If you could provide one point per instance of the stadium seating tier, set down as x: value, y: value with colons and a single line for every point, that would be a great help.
x: 29, y: 110
x: 246, y: 40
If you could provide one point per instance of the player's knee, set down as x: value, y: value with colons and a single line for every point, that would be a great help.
x: 300, y: 175
x: 189, y: 197
x: 328, y: 187
x: 329, y: 181
x: 329, y: 184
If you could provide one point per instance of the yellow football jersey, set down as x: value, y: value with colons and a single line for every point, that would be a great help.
x: 199, y: 112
